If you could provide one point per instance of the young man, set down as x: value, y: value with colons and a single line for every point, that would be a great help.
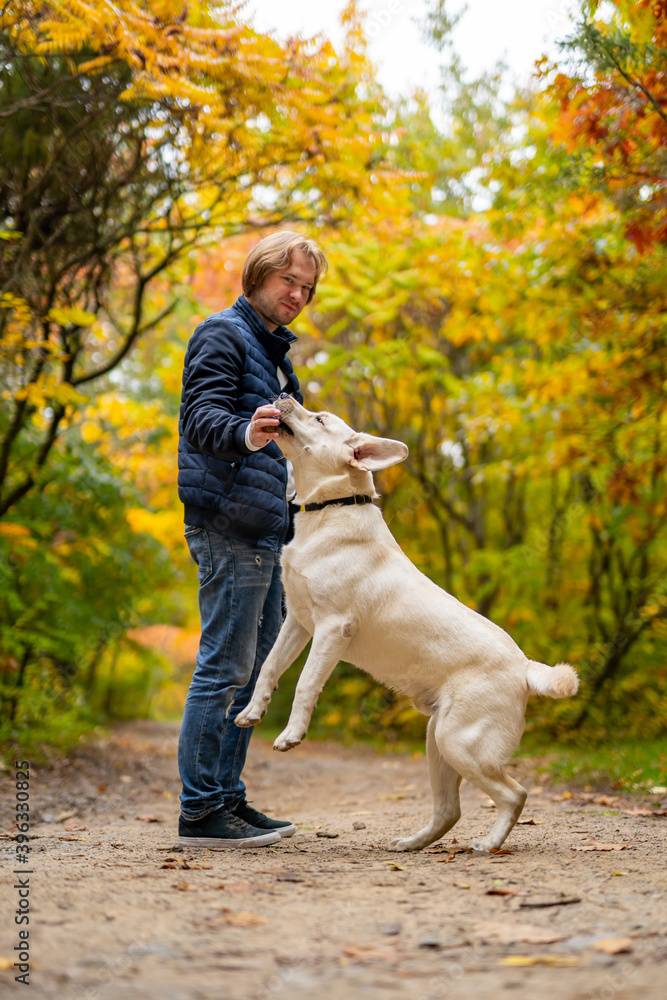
x: 232, y: 480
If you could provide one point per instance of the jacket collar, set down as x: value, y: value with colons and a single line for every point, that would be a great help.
x: 277, y: 342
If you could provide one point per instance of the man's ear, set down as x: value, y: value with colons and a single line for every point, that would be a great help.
x: 370, y: 454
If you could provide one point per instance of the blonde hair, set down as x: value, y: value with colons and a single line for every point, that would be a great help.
x: 274, y: 253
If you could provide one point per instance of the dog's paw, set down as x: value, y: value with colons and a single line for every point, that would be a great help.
x: 250, y: 716
x: 401, y: 844
x: 483, y: 846
x: 287, y: 740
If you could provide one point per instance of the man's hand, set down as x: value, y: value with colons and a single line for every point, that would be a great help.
x: 263, y: 425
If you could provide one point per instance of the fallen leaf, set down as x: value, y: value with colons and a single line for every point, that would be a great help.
x: 75, y: 826
x: 613, y: 946
x: 636, y: 811
x: 72, y: 838
x: 530, y: 822
x: 606, y: 800
x: 186, y: 887
x: 101, y: 788
x: 245, y: 887
x: 563, y: 797
x: 594, y: 845
x: 619, y: 873
x: 461, y: 885
x: 148, y: 819
x: 521, y: 960
x: 495, y: 850
x: 169, y: 866
x: 501, y: 931
x: 393, y: 867
x: 6, y: 963
x: 499, y: 892
x: 369, y: 953
x: 242, y: 918
x: 327, y: 836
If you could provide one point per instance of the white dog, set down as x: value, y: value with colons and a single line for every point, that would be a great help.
x: 350, y: 587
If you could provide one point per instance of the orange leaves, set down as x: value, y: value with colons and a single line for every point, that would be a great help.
x: 223, y: 83
x: 617, y: 123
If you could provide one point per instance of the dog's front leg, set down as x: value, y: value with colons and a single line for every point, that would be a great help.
x: 329, y: 644
x: 292, y: 638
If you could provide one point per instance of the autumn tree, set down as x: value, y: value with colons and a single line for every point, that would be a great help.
x: 131, y: 134
x: 612, y: 98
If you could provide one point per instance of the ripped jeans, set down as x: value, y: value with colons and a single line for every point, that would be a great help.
x: 240, y: 602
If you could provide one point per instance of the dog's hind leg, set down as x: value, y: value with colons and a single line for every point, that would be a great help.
x: 509, y: 797
x: 467, y: 749
x: 445, y: 783
x: 329, y: 644
x: 292, y: 638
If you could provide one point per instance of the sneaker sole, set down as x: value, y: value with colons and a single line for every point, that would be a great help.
x: 286, y: 831
x: 221, y: 842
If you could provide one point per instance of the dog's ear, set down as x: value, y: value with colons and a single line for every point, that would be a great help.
x: 370, y: 454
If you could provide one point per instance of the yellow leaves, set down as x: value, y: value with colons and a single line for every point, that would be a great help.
x: 163, y: 525
x: 77, y: 317
x: 94, y: 65
x: 33, y: 393
x: 48, y: 389
x: 91, y: 432
x: 8, y: 530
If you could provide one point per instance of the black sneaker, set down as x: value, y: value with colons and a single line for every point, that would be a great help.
x: 223, y: 829
x: 261, y: 822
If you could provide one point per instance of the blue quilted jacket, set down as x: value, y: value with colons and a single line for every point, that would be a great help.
x: 230, y: 370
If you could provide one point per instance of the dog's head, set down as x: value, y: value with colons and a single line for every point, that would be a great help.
x: 329, y: 457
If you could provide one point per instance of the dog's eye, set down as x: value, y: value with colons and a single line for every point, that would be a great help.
x: 319, y: 420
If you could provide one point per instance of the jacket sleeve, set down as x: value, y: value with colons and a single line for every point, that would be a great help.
x: 212, y: 376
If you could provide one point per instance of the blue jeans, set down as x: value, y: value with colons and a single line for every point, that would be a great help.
x: 240, y: 602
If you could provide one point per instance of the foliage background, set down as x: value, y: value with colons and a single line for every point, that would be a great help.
x: 497, y: 299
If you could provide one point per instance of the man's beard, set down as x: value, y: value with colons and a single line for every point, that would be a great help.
x: 265, y: 309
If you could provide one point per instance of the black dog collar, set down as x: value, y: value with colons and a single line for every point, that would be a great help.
x: 355, y: 501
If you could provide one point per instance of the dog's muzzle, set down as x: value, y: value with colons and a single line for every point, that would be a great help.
x: 284, y: 404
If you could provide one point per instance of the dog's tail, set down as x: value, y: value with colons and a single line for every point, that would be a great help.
x: 560, y: 681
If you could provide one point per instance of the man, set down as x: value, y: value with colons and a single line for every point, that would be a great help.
x: 232, y: 480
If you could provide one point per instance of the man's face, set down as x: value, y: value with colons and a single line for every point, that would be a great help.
x: 284, y: 293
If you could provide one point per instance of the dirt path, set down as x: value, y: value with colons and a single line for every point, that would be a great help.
x: 116, y: 911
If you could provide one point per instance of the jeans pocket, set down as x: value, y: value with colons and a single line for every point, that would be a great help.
x: 190, y: 530
x: 200, y: 550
